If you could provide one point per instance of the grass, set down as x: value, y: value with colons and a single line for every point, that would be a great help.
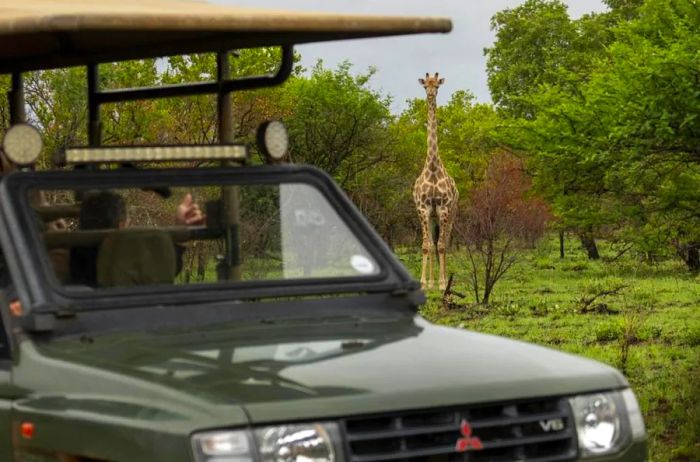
x: 649, y: 328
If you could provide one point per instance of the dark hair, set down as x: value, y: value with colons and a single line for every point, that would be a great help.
x: 102, y: 210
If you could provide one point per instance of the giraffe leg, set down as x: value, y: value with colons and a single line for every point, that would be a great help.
x: 448, y: 232
x: 444, y: 215
x: 431, y: 259
x: 426, y: 246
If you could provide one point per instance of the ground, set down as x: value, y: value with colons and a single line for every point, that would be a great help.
x: 649, y: 327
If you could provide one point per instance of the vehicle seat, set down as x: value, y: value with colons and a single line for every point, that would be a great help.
x: 129, y: 258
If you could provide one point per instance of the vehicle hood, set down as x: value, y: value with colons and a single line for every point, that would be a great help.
x: 298, y: 369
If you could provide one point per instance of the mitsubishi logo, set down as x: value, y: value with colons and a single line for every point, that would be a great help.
x: 468, y: 442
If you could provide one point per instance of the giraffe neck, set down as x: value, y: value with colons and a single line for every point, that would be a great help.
x: 432, y: 161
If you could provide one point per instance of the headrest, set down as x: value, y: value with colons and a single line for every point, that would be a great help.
x: 136, y: 257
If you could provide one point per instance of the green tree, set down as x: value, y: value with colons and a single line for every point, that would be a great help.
x: 193, y: 119
x: 467, y: 138
x: 648, y: 99
x: 624, y: 9
x: 57, y: 104
x: 4, y: 103
x: 620, y: 152
x: 337, y: 122
x: 133, y: 122
x: 533, y: 42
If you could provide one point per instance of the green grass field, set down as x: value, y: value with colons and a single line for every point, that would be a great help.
x: 649, y: 329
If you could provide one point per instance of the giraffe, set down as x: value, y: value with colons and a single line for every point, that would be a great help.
x: 434, y: 193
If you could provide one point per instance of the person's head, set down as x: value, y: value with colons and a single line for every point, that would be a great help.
x: 103, y: 210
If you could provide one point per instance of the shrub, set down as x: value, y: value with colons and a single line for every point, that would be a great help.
x: 609, y: 331
x: 502, y: 219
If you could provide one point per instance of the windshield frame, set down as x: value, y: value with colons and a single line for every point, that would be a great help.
x: 46, y: 294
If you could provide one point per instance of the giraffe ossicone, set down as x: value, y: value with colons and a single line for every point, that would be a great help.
x: 435, y: 194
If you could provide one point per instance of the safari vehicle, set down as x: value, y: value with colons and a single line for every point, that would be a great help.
x: 305, y: 347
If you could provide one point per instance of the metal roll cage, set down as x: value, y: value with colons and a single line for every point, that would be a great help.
x: 222, y: 87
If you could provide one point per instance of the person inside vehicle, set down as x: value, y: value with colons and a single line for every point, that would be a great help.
x: 106, y: 210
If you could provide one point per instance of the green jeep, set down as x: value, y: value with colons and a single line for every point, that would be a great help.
x: 237, y: 313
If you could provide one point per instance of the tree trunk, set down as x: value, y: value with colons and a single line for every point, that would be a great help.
x: 388, y: 234
x: 693, y: 260
x: 487, y: 295
x: 589, y: 245
x: 561, y: 245
x: 690, y: 253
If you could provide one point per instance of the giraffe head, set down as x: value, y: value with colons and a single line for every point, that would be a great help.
x: 431, y: 84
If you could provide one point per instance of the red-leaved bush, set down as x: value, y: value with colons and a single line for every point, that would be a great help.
x: 502, y: 218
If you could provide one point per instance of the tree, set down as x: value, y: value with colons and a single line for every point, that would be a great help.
x: 501, y: 219
x: 4, y: 103
x: 620, y: 153
x: 193, y: 119
x: 651, y: 97
x: 467, y: 136
x: 533, y: 41
x: 132, y: 122
x: 607, y: 116
x: 337, y: 122
x: 57, y: 104
x: 539, y: 47
x: 624, y: 9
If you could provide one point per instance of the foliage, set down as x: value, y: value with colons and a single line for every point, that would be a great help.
x: 193, y: 119
x: 531, y: 45
x: 611, y: 133
x: 467, y: 138
x: 625, y: 9
x: 501, y: 219
x: 57, y: 103
x: 338, y: 123
x: 4, y: 103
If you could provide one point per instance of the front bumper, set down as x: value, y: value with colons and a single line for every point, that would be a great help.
x: 636, y: 452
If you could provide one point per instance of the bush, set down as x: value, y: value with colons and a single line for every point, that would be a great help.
x: 502, y: 220
x: 609, y: 331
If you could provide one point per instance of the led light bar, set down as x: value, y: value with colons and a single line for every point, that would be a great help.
x: 156, y: 153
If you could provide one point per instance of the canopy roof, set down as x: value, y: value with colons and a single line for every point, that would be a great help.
x: 42, y: 34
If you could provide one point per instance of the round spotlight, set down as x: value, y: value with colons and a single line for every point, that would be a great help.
x: 22, y: 144
x: 273, y: 139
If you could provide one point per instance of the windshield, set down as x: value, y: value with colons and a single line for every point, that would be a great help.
x: 127, y: 237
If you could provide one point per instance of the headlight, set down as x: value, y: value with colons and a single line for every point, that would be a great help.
x: 222, y: 446
x: 606, y: 421
x: 307, y: 443
x: 319, y: 442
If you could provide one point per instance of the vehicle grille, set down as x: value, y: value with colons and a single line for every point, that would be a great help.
x: 508, y: 432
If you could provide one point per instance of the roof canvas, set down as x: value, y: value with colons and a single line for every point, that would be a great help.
x: 41, y: 34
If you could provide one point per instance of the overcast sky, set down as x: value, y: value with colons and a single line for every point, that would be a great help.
x: 457, y: 56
